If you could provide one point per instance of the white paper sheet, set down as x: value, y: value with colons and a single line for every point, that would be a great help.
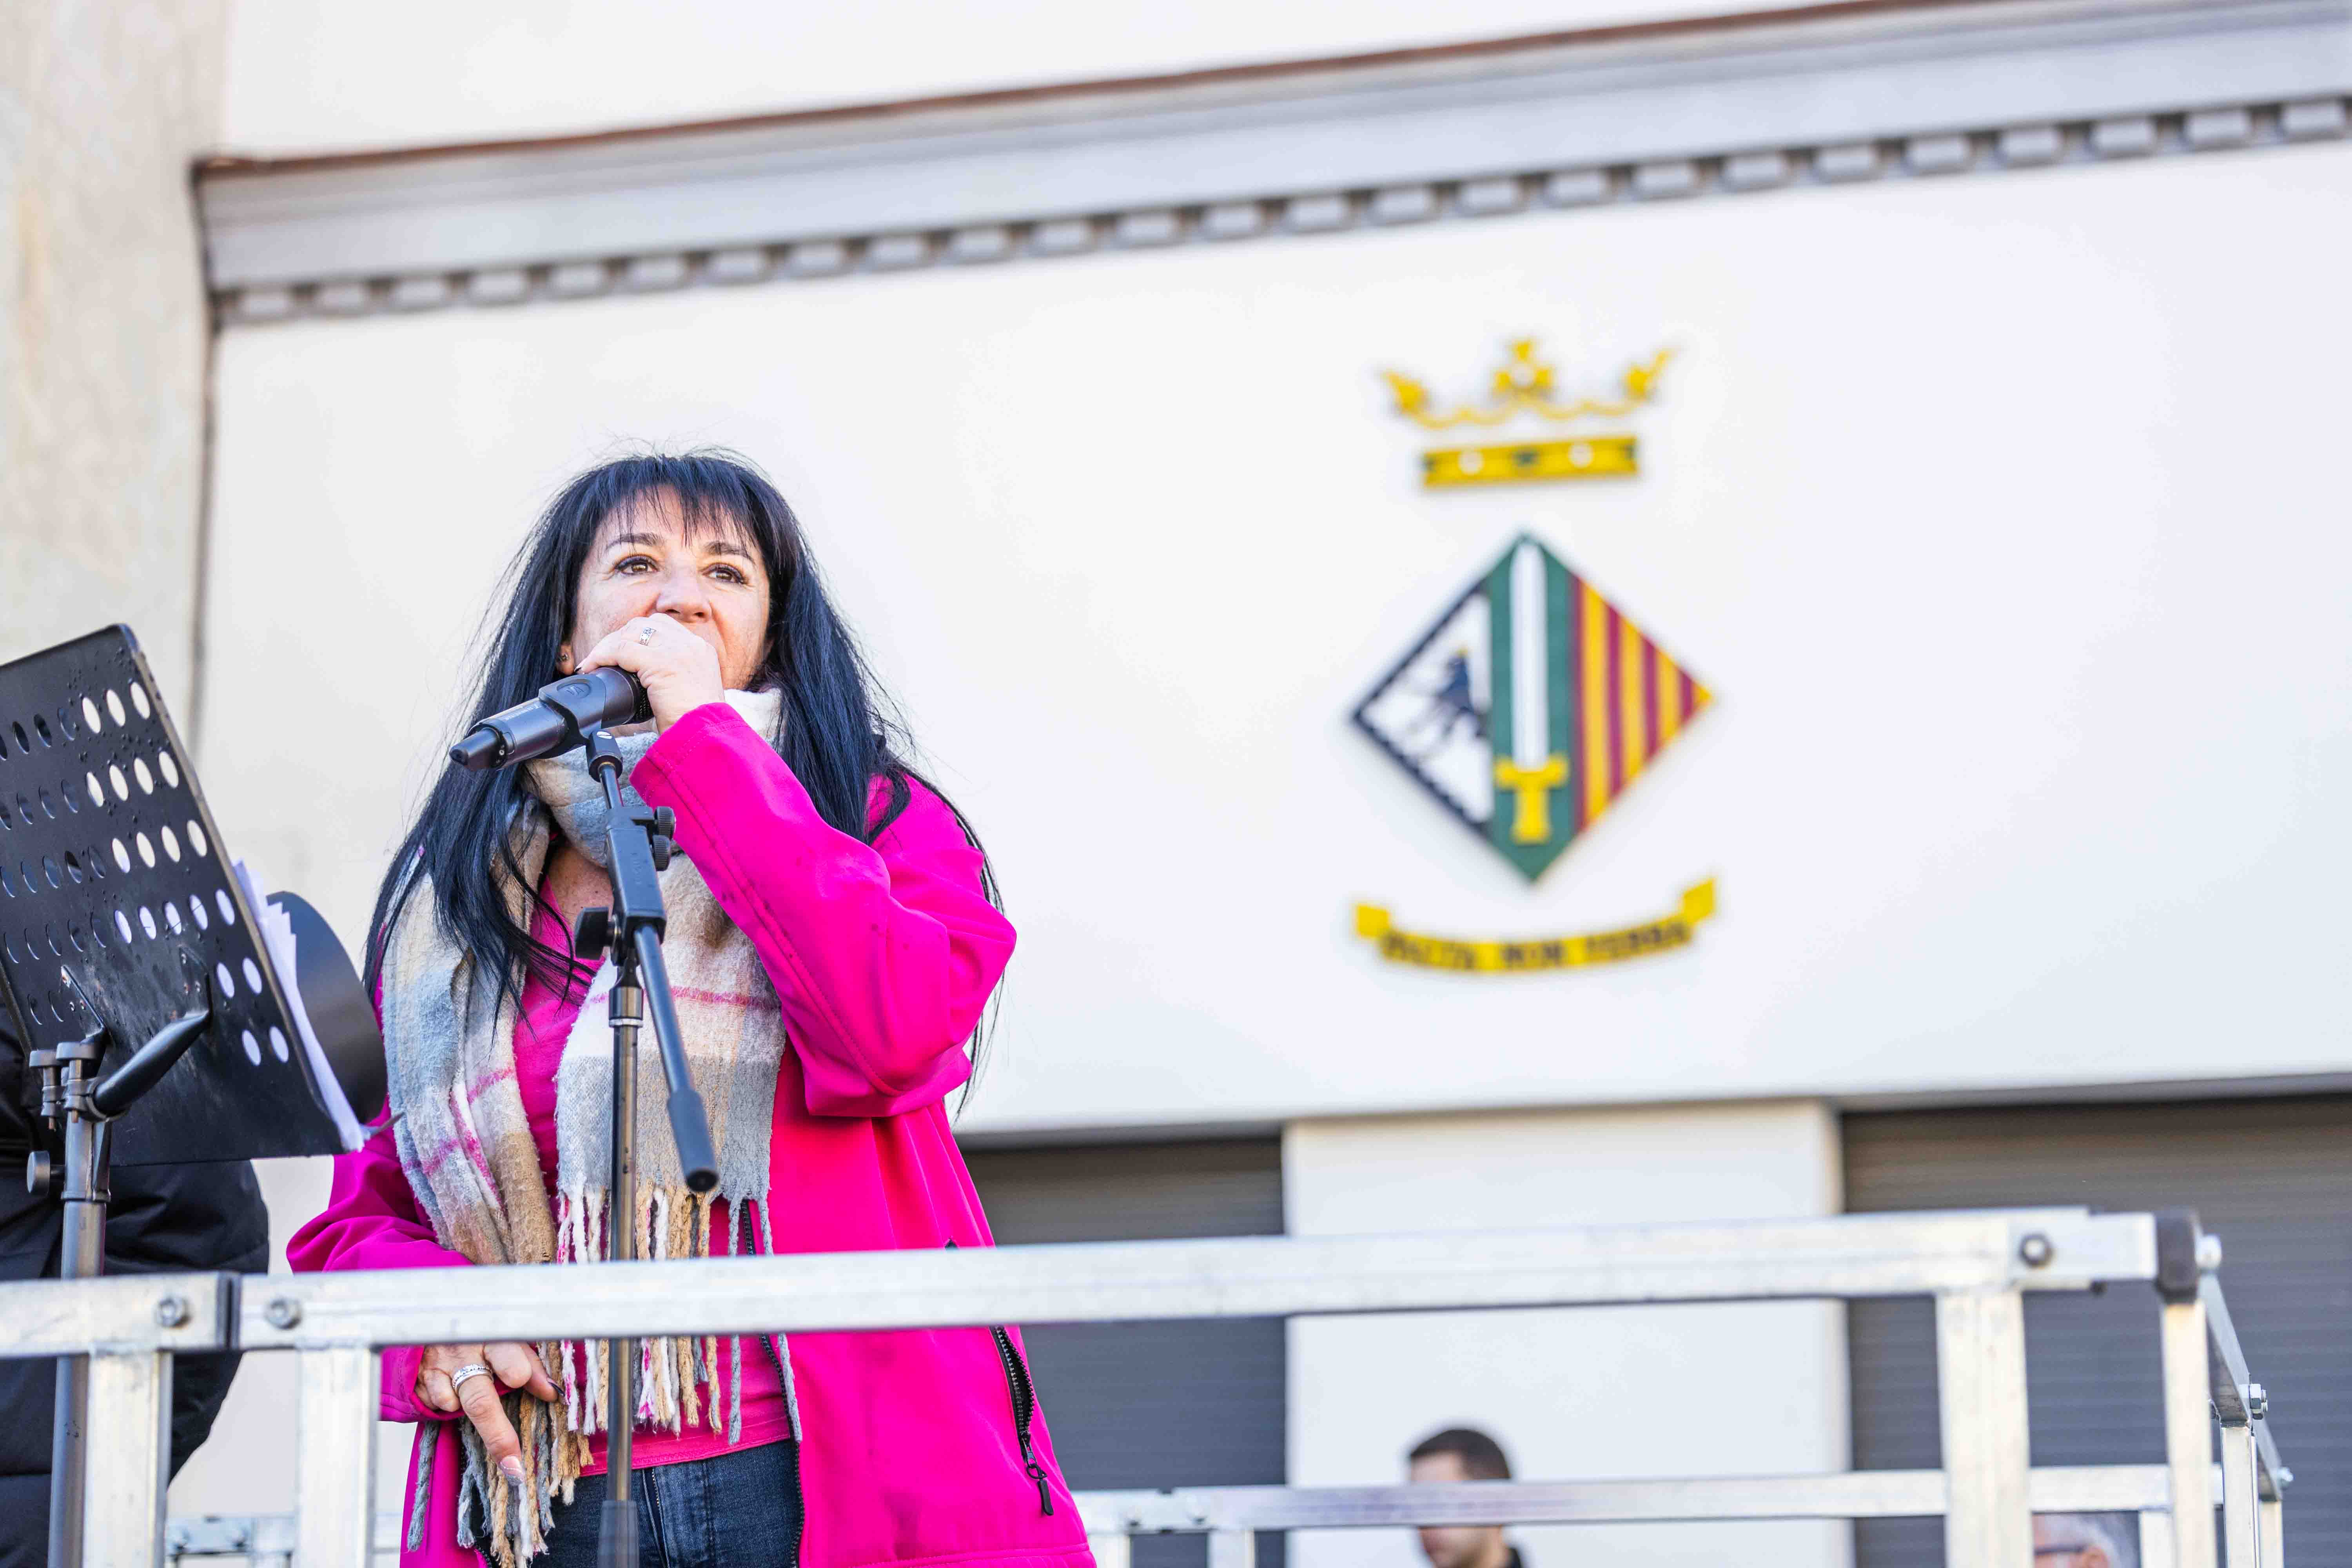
x: 277, y: 934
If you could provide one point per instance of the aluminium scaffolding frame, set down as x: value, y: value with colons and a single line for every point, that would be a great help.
x: 1976, y: 1265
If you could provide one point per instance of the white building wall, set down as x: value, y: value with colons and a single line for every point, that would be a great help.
x: 1576, y: 1394
x: 2000, y: 513
x: 1994, y: 510
x: 1997, y: 512
x: 103, y: 321
x: 312, y: 75
x: 104, y: 340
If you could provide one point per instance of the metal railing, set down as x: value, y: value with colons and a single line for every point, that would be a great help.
x: 1230, y: 1517
x: 1976, y: 1265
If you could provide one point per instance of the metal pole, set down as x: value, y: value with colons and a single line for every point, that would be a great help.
x: 1980, y: 1372
x: 2273, y: 1533
x: 2187, y: 1433
x: 1233, y: 1549
x: 1230, y: 1277
x: 2240, y: 1516
x: 617, y: 1541
x: 130, y: 1412
x: 81, y: 1256
x: 334, y: 1473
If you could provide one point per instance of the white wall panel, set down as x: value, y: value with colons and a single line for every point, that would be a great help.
x: 311, y: 75
x: 2002, y: 518
x: 104, y: 322
x: 1588, y: 1394
x: 1832, y: 96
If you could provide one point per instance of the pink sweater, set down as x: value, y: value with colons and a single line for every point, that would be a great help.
x: 917, y: 1445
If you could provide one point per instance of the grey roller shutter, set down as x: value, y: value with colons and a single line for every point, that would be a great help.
x: 1160, y: 1404
x: 2270, y: 1178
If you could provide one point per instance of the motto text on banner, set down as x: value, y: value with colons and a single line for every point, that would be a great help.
x: 1427, y: 952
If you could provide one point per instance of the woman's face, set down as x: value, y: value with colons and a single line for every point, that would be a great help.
x: 644, y: 563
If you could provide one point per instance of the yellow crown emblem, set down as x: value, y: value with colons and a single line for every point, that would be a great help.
x: 1525, y: 385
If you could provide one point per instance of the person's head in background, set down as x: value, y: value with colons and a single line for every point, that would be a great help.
x: 1464, y: 1454
x: 2081, y: 1541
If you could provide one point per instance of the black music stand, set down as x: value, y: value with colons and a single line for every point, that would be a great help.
x: 156, y: 1024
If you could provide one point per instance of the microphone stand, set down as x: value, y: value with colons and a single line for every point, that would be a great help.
x: 88, y: 1105
x: 639, y: 843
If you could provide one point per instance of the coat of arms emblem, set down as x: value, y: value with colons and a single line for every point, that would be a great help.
x: 1530, y: 706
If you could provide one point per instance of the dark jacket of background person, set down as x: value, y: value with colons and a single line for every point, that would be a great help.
x: 164, y: 1218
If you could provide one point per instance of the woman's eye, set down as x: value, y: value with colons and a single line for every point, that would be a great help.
x: 634, y: 563
x: 731, y: 573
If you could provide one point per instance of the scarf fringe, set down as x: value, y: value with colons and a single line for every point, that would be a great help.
x: 677, y: 1382
x: 422, y: 1450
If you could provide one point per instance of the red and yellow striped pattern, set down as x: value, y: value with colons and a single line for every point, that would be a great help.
x: 1631, y: 701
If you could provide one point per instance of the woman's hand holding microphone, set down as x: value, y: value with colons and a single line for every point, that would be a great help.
x: 678, y: 669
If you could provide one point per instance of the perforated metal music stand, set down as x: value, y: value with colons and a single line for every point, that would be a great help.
x: 154, y: 1023
x: 114, y: 881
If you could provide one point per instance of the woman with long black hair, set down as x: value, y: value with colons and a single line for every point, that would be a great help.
x: 833, y: 941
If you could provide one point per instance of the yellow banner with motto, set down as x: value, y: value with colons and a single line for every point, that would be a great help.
x: 1480, y: 957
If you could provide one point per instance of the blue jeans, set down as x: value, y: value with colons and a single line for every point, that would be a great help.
x: 734, y: 1510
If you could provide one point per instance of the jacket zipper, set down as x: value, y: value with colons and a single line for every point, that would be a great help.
x: 1024, y: 1411
x: 800, y: 1491
x: 1025, y: 1407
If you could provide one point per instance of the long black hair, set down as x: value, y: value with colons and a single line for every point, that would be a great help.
x: 836, y: 728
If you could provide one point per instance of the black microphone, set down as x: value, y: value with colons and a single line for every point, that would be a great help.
x: 561, y: 718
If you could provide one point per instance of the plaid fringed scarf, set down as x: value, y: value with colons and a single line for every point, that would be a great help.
x: 466, y: 1146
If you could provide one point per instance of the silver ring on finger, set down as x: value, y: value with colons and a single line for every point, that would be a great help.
x: 471, y: 1369
x: 644, y: 635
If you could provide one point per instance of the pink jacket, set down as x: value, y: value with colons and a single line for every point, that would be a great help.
x: 918, y: 1446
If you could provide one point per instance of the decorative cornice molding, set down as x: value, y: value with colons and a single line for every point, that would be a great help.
x: 1830, y: 95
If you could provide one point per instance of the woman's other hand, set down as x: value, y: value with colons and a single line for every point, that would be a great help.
x: 678, y: 669
x: 511, y: 1366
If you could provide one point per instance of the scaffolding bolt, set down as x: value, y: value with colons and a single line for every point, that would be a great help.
x: 172, y: 1311
x: 2035, y: 1251
x: 2208, y: 1253
x: 2258, y: 1402
x: 2286, y: 1476
x: 284, y: 1312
